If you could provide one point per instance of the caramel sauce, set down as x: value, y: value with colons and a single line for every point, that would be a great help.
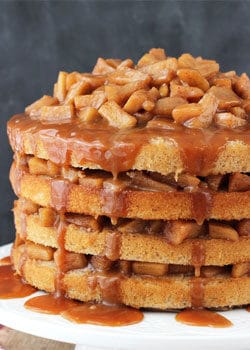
x: 248, y: 308
x: 116, y: 150
x: 59, y: 194
x: 49, y: 304
x: 113, y: 198
x: 201, y: 205
x: 197, y: 283
x: 5, y: 261
x: 60, y: 257
x: 113, y: 245
x: 11, y: 286
x: 109, y: 285
x: 203, y: 318
x: 103, y: 315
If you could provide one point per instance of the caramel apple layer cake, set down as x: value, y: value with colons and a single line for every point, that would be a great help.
x: 133, y: 185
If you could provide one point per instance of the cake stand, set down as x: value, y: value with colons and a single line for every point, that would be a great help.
x: 158, y: 329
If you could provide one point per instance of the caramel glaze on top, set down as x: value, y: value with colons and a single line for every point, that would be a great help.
x: 115, y: 150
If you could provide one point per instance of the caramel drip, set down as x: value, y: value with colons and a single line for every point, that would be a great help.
x: 113, y: 245
x: 109, y: 285
x: 60, y: 256
x: 202, y: 203
x: 60, y: 189
x: 113, y: 199
x: 197, y: 283
x: 16, y: 173
x: 23, y: 225
x: 116, y: 150
x: 203, y: 318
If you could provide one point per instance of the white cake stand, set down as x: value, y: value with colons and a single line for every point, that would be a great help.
x: 157, y: 331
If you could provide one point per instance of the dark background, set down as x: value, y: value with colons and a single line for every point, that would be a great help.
x: 39, y: 38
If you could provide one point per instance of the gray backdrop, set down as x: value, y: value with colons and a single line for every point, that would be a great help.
x: 39, y: 38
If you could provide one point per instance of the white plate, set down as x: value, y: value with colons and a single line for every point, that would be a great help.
x: 158, y: 330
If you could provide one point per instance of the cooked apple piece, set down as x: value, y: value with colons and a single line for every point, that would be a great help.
x: 39, y: 252
x: 193, y: 77
x: 212, y: 271
x: 38, y: 166
x: 243, y: 227
x: 241, y: 269
x: 138, y: 99
x: 87, y: 222
x: 176, y: 231
x: 148, y: 268
x: 190, y: 93
x: 207, y: 68
x: 70, y: 174
x: 222, y: 82
x: 165, y: 106
x: 209, y: 105
x: 120, y: 93
x: 101, y: 263
x: 227, y: 98
x: 88, y: 115
x: 71, y: 79
x: 53, y: 169
x: 26, y: 206
x: 94, y: 181
x: 95, y: 81
x: 229, y: 120
x: 164, y: 90
x: 71, y: 261
x: 222, y: 231
x: 146, y: 60
x: 34, y: 110
x: 242, y: 86
x: 57, y: 113
x: 116, y: 116
x: 125, y: 266
x: 102, y: 66
x: 239, y: 182
x: 61, y: 91
x: 126, y: 75
x: 95, y: 100
x: 186, y: 111
x: 79, y: 88
x: 140, y: 180
x: 47, y: 217
x: 239, y: 112
x: 133, y: 226
x: 162, y: 71
x: 214, y: 181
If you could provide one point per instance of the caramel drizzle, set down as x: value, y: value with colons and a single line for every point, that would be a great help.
x: 113, y: 199
x: 202, y: 203
x: 113, y: 245
x: 109, y: 285
x: 59, y: 198
x: 197, y: 283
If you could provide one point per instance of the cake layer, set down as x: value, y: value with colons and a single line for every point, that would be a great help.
x: 159, y: 150
x: 130, y: 242
x: 93, y: 200
x: 137, y: 291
